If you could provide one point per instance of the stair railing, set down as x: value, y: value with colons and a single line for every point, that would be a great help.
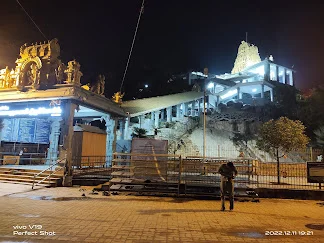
x: 49, y: 168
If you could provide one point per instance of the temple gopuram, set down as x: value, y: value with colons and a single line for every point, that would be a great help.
x: 44, y: 109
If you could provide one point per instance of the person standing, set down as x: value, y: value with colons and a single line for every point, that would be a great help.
x: 228, y: 173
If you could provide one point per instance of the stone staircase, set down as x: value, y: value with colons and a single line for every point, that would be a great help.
x: 26, y: 176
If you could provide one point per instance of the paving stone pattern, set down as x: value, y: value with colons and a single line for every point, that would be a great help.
x: 144, y: 219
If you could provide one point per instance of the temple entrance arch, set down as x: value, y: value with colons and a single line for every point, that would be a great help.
x: 30, y: 73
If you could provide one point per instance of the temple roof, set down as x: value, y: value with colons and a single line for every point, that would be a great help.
x: 142, y: 106
x: 61, y: 92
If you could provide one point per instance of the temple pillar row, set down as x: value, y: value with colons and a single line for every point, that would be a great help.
x: 54, y: 141
x: 156, y: 119
x: 178, y: 110
x: 169, y: 114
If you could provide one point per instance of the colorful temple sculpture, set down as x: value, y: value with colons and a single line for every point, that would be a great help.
x: 44, y: 109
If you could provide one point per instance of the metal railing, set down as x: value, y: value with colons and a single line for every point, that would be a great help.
x: 25, y: 159
x: 196, y: 170
x: 91, y: 166
x: 49, y: 168
x: 291, y: 175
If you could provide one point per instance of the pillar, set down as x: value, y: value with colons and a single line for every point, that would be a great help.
x: 110, y: 138
x: 68, y: 130
x: 185, y: 109
x: 178, y: 111
x: 141, y: 120
x: 156, y: 119
x: 239, y: 93
x: 121, y: 124
x: 193, y: 104
x: 199, y: 104
x: 262, y: 90
x: 217, y: 100
x: 267, y: 71
x: 54, y: 141
x: 152, y: 116
x: 284, y: 76
x: 277, y: 74
x: 126, y: 121
x: 169, y: 114
x: 162, y: 114
x: 271, y: 94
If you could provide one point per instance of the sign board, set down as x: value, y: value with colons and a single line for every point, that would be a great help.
x: 149, y: 146
x: 26, y: 130
x: 148, y: 165
x: 11, y: 160
x: 315, y: 172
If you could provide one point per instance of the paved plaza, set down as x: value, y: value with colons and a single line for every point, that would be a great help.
x: 64, y: 215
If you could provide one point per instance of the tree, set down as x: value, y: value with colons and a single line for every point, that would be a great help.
x: 285, y: 100
x: 319, y: 133
x: 139, y: 132
x: 310, y: 108
x: 320, y: 136
x: 282, y: 136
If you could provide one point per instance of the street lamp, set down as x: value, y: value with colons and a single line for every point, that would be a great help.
x: 206, y: 76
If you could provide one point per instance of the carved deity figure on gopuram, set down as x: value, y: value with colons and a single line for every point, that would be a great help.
x: 247, y: 55
x: 73, y: 72
x: 7, y: 79
x: 117, y: 97
x: 99, y: 86
x: 39, y: 67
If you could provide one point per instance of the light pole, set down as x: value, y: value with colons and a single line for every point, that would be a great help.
x: 204, y: 146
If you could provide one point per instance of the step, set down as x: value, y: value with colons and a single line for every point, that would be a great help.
x: 122, y: 173
x: 120, y: 180
x: 20, y: 170
x: 28, y: 176
x: 30, y: 181
x: 141, y: 188
x: 122, y: 167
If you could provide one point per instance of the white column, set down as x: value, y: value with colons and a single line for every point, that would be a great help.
x: 121, y: 124
x: 126, y: 137
x: 199, y: 104
x: 178, y: 111
x: 141, y: 120
x: 271, y: 95
x: 193, y: 106
x: 239, y: 93
x: 267, y: 71
x: 162, y: 114
x: 185, y: 109
x: 284, y: 76
x: 54, y: 140
x: 277, y: 74
x: 169, y: 114
x: 110, y: 138
x: 262, y: 90
x: 156, y: 119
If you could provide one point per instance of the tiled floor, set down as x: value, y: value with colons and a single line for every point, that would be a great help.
x: 144, y: 219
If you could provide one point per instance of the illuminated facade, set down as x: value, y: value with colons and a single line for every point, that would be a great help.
x: 42, y: 100
x: 251, y: 80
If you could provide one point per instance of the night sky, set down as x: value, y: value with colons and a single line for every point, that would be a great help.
x: 174, y: 37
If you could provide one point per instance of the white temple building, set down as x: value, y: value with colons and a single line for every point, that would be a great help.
x: 249, y: 81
